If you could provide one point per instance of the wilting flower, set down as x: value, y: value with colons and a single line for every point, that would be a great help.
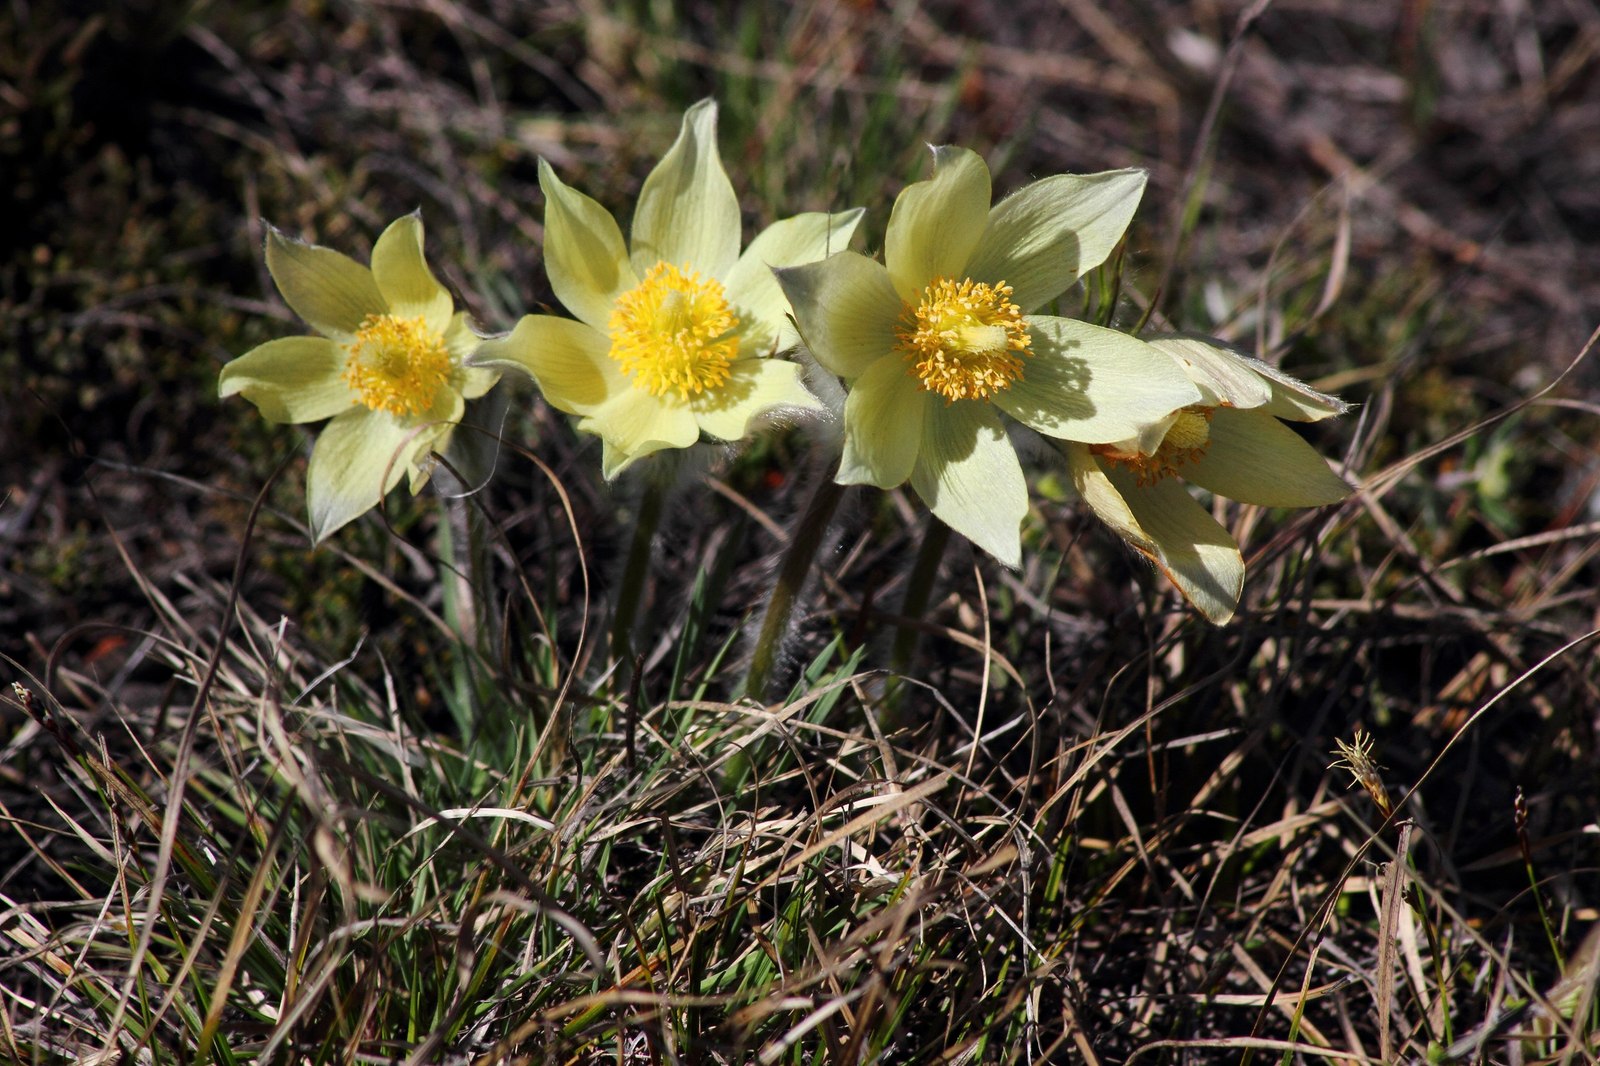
x: 1231, y: 443
x: 389, y: 368
x: 672, y: 337
x: 936, y: 341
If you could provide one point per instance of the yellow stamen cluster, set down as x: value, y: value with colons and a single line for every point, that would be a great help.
x: 674, y: 332
x: 1186, y: 440
x: 964, y: 340
x: 397, y: 365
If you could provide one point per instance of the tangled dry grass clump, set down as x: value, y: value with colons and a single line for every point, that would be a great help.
x: 382, y: 801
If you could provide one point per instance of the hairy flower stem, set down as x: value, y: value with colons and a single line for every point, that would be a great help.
x: 792, y: 574
x: 634, y: 573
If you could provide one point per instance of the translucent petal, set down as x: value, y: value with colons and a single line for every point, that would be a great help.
x: 688, y: 214
x: 756, y: 393
x: 846, y: 309
x: 1045, y: 236
x: 1091, y: 384
x: 968, y: 475
x: 936, y: 224
x: 584, y: 256
x: 403, y: 277
x: 567, y: 359
x: 357, y: 459
x: 1165, y: 524
x: 883, y: 419
x: 634, y: 424
x: 296, y: 379
x: 753, y: 288
x: 1254, y: 458
x: 1227, y: 375
x: 331, y: 291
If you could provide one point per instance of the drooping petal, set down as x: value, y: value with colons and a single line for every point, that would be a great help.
x: 295, y: 379
x: 753, y: 289
x: 1165, y: 524
x: 1224, y: 376
x: 1295, y: 400
x: 688, y: 213
x: 757, y: 391
x: 1254, y: 458
x: 1044, y: 237
x: 935, y: 224
x: 584, y: 255
x: 634, y: 424
x: 846, y: 309
x: 1091, y: 384
x: 883, y: 419
x: 403, y: 277
x: 1243, y: 381
x: 357, y: 459
x: 968, y: 475
x: 331, y: 291
x: 567, y: 359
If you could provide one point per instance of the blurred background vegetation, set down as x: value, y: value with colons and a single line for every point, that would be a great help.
x: 1398, y: 202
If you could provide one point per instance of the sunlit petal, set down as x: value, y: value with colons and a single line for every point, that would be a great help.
x: 331, y: 291
x: 403, y: 277
x: 567, y: 359
x: 1045, y: 236
x: 584, y: 255
x: 1091, y: 384
x: 357, y: 459
x: 937, y: 223
x: 753, y: 288
x: 883, y: 419
x: 688, y: 213
x: 296, y: 379
x: 846, y: 309
x: 968, y: 475
x: 757, y: 392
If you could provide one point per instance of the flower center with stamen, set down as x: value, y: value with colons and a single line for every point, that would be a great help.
x: 1186, y: 440
x: 396, y: 365
x: 964, y: 340
x: 674, y: 332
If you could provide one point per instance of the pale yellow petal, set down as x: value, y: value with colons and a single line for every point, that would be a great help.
x: 403, y: 277
x: 688, y: 214
x: 1045, y: 236
x: 584, y: 255
x: 1223, y: 375
x: 1165, y: 524
x: 752, y: 288
x: 1091, y: 384
x: 758, y: 392
x: 846, y: 310
x: 1254, y: 458
x: 884, y: 416
x: 968, y: 475
x: 936, y: 224
x: 566, y: 359
x: 357, y: 459
x: 331, y: 291
x: 634, y: 424
x: 295, y: 379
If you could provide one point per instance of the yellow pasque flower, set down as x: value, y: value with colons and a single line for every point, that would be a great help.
x: 389, y: 369
x: 1231, y: 443
x: 672, y: 337
x: 937, y: 340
